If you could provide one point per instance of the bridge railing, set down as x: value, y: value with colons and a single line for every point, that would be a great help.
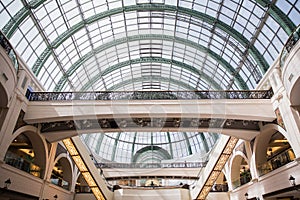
x: 152, y: 165
x: 149, y: 95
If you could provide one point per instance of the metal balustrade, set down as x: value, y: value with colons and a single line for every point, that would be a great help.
x: 291, y: 42
x: 149, y: 95
x: 276, y: 162
x: 153, y: 165
x: 4, y: 42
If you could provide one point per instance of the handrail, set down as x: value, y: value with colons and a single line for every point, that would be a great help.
x: 275, y: 162
x: 149, y: 95
x: 290, y: 43
x: 4, y: 42
x: 152, y: 165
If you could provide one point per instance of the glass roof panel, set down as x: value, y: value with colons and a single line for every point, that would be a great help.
x: 123, y: 146
x: 148, y: 45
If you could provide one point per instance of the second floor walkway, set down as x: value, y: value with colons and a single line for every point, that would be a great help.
x: 237, y: 113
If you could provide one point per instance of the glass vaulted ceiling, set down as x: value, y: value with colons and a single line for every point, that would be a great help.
x: 148, y: 44
x: 127, y: 147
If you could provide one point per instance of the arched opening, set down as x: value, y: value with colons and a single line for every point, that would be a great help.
x: 4, y: 97
x: 27, y: 154
x: 62, y: 174
x: 150, y: 155
x: 221, y: 184
x: 240, y: 172
x: 277, y: 152
x: 81, y: 185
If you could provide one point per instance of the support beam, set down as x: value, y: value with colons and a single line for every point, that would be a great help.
x: 118, y: 66
x: 153, y: 7
x: 116, y: 42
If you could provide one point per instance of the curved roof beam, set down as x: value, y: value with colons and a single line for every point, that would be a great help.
x: 280, y: 17
x: 153, y: 60
x: 155, y: 78
x: 274, y: 11
x: 156, y: 7
x: 199, y: 47
x: 19, y: 17
x: 113, y: 155
x: 188, y: 144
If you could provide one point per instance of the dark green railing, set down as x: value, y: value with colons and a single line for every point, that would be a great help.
x: 18, y: 162
x: 153, y: 165
x: 149, y: 95
x: 242, y: 180
x: 292, y: 40
x: 4, y: 42
x: 59, y: 181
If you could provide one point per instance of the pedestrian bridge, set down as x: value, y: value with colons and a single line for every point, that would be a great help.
x: 235, y: 113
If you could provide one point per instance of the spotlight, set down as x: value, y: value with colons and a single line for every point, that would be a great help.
x: 246, y: 195
x: 292, y: 180
x: 7, y: 183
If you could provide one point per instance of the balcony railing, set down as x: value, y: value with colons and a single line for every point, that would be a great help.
x: 292, y: 40
x: 276, y: 162
x: 148, y: 95
x: 219, y: 188
x: 241, y: 181
x: 153, y: 165
x: 9, y: 50
x: 59, y: 182
x: 22, y: 164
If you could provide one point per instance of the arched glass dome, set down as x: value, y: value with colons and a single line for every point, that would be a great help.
x: 149, y: 147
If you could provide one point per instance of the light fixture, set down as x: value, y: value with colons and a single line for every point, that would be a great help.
x: 292, y: 180
x: 293, y: 183
x: 7, y: 183
x: 246, y: 195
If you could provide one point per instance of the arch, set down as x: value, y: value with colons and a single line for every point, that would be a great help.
x: 152, y: 7
x: 264, y: 163
x: 163, y: 153
x: 38, y: 143
x: 237, y: 176
x: 4, y: 97
x: 220, y: 184
x: 155, y: 60
x: 82, y: 186
x: 199, y: 47
x: 62, y: 160
x: 23, y: 13
x: 154, y: 78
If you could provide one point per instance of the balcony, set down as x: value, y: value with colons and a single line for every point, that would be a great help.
x: 289, y: 63
x: 276, y: 162
x: 18, y: 162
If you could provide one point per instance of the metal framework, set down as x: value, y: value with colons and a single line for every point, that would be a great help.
x: 116, y: 42
x: 240, y: 28
x: 148, y: 95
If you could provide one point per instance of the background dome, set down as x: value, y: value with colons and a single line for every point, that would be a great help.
x: 127, y: 147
